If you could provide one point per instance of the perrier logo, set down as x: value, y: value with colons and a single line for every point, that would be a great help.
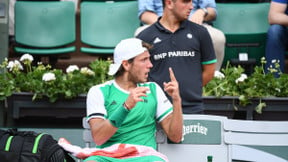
x: 194, y: 128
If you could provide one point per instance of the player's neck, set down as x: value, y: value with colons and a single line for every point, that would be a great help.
x: 125, y: 83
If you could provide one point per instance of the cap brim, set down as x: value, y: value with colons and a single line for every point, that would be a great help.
x: 113, y: 68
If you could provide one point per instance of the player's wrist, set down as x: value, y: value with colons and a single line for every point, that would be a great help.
x: 126, y: 106
x: 118, y: 117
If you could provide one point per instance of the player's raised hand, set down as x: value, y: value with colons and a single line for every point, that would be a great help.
x: 172, y: 87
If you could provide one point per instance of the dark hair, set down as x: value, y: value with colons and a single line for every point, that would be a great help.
x: 121, y: 69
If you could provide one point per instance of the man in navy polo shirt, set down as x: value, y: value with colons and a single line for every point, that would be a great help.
x: 204, y: 12
x: 186, y: 47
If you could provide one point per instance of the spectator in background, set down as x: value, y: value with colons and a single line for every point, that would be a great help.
x: 277, y: 36
x: 204, y: 12
x: 186, y: 47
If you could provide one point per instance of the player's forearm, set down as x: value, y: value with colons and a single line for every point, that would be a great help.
x: 149, y: 17
x: 278, y: 18
x: 102, y: 131
x: 176, y: 123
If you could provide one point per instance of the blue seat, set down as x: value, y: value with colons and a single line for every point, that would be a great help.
x: 245, y: 26
x: 104, y: 24
x: 45, y: 28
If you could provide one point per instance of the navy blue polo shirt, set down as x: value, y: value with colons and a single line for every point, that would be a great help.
x: 185, y: 50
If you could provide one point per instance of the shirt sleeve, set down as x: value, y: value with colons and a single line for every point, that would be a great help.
x: 150, y: 5
x: 164, y: 106
x: 95, y: 103
x: 203, y: 4
x: 280, y: 1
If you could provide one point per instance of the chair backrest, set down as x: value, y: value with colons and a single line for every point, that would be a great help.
x: 104, y: 24
x: 87, y: 136
x: 202, y: 137
x: 245, y: 26
x: 242, y: 18
x: 44, y: 25
x: 225, y: 139
x: 259, y: 141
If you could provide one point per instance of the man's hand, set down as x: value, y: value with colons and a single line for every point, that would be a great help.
x: 172, y: 87
x: 198, y: 17
x: 135, y: 96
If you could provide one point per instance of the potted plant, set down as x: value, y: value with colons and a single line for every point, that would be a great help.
x: 249, y: 93
x: 37, y: 86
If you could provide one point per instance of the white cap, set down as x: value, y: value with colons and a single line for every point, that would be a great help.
x: 125, y: 50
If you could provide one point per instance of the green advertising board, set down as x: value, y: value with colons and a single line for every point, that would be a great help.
x: 201, y: 132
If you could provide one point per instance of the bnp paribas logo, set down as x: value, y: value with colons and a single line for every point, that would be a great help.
x: 194, y: 129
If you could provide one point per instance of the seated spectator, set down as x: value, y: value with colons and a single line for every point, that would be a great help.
x: 123, y: 112
x: 277, y: 36
x: 204, y: 12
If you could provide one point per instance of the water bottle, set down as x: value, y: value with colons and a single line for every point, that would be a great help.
x: 209, y: 158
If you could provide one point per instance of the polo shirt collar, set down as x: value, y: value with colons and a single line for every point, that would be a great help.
x: 160, y: 27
